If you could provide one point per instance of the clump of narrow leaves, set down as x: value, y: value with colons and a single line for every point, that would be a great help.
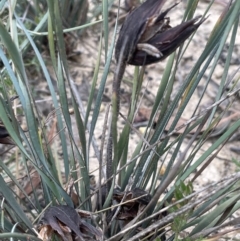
x: 135, y: 212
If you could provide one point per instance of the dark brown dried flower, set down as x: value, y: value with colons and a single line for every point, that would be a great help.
x: 146, y: 36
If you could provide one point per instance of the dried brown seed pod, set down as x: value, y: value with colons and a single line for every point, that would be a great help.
x: 146, y: 36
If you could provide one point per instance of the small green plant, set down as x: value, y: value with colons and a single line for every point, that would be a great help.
x: 237, y: 163
x: 180, y: 193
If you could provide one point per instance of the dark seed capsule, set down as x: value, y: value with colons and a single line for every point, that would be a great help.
x: 146, y: 36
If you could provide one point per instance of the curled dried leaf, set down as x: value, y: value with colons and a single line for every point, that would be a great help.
x: 59, y: 216
x: 66, y: 222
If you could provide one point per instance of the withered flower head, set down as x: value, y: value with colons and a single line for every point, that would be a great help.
x: 146, y: 36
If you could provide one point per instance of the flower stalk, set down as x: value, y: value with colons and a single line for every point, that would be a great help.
x: 145, y: 37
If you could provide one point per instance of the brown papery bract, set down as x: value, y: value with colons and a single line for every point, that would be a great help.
x: 146, y: 36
